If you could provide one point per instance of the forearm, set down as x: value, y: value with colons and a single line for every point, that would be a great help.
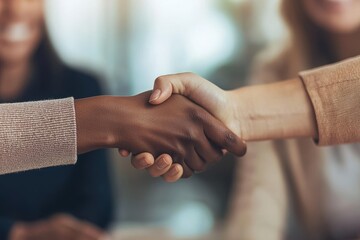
x: 51, y: 133
x: 274, y: 111
x: 105, y: 122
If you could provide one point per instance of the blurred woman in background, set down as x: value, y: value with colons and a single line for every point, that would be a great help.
x: 70, y: 202
x: 292, y: 189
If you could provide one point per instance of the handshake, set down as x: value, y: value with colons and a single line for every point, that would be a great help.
x: 187, y: 123
x: 183, y: 124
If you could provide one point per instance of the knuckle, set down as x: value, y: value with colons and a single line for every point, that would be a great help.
x: 230, y: 139
x: 195, y: 114
x: 189, y: 133
x: 160, y: 79
x: 190, y: 74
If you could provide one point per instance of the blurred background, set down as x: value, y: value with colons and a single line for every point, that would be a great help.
x: 127, y: 44
x: 288, y: 189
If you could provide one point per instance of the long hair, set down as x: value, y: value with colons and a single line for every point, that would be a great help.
x: 308, y: 47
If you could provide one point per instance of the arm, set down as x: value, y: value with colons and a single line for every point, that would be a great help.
x: 51, y: 133
x: 261, y: 112
x: 89, y: 195
x: 322, y: 103
x: 273, y: 111
x: 256, y: 113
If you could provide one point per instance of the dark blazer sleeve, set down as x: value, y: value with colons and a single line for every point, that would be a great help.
x: 5, y: 227
x: 91, y: 198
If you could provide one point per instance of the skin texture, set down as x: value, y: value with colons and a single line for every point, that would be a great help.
x: 177, y: 130
x: 241, y: 110
x: 59, y: 227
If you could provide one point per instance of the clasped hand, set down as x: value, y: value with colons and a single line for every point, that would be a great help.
x: 181, y: 135
x: 177, y: 130
x: 205, y: 137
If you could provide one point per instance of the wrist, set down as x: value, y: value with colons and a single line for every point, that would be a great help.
x: 93, y: 129
x: 274, y: 111
x: 240, y: 105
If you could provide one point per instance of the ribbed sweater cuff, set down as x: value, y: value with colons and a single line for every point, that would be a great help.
x: 37, y: 134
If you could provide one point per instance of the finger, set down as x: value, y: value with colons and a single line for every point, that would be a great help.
x: 162, y: 90
x: 142, y: 160
x: 187, y: 171
x: 222, y: 136
x: 195, y: 162
x: 124, y: 153
x: 161, y: 166
x: 167, y: 85
x: 208, y: 151
x: 192, y: 86
x: 174, y: 174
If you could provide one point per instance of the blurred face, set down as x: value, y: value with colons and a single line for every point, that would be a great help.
x: 337, y: 16
x: 21, y: 24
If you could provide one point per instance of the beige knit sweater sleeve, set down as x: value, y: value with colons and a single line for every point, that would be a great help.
x: 37, y: 134
x: 335, y: 94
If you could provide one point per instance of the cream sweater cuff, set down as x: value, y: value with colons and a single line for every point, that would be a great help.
x: 37, y: 135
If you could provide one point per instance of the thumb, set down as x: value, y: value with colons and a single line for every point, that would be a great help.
x: 162, y: 90
x: 167, y: 85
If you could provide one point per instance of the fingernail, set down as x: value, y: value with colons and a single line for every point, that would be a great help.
x: 174, y: 171
x: 162, y: 163
x: 155, y: 95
